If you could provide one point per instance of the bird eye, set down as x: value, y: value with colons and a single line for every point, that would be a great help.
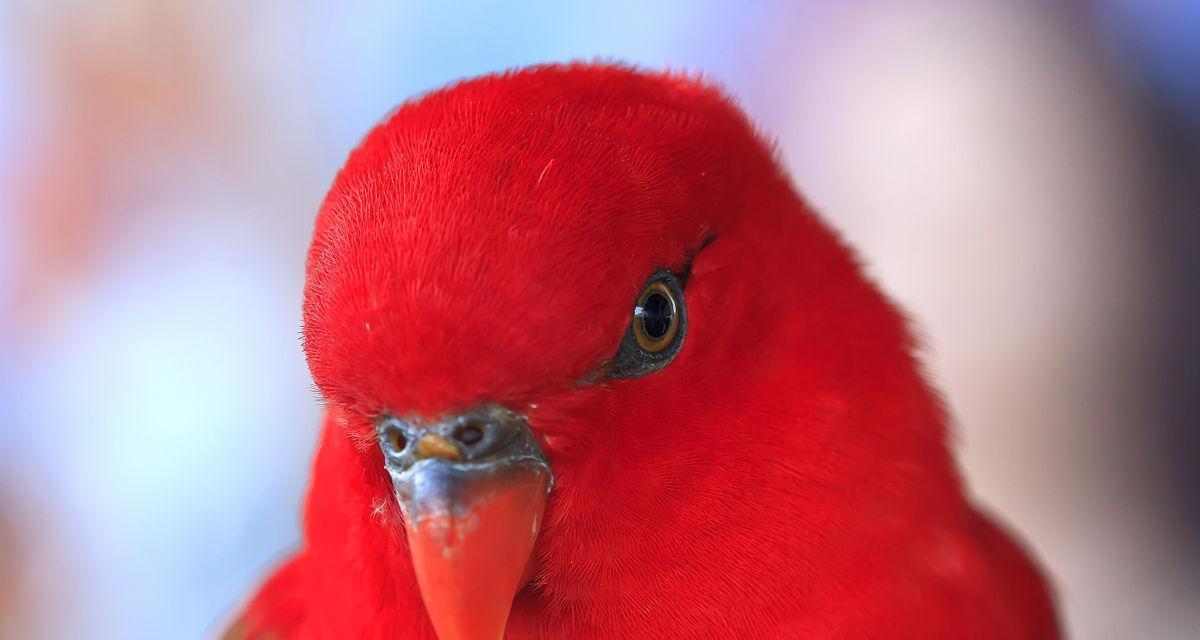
x: 656, y: 330
x: 396, y: 439
x: 655, y: 317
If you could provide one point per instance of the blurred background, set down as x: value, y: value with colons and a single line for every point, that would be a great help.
x: 1024, y: 178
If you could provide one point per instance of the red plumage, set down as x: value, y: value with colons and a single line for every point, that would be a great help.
x: 786, y: 476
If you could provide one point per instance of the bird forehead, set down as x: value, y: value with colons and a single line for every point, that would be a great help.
x: 490, y: 239
x: 465, y: 297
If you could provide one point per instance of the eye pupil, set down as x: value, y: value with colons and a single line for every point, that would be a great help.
x: 657, y: 314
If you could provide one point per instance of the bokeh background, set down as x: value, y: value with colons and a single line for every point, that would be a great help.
x: 1023, y: 177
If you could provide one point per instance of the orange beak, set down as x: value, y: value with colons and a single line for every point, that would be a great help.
x: 472, y: 515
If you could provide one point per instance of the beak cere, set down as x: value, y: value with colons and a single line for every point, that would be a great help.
x: 472, y: 489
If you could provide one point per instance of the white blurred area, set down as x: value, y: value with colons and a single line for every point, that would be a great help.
x: 161, y: 164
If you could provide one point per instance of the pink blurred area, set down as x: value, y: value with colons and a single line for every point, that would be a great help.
x: 1021, y: 177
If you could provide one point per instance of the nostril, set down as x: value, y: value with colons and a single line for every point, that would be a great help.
x: 469, y: 434
x: 396, y: 440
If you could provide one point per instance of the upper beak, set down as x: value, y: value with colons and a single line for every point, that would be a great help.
x: 472, y: 488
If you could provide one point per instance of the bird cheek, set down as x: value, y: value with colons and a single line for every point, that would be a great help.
x: 356, y: 425
x: 558, y: 444
x: 558, y: 423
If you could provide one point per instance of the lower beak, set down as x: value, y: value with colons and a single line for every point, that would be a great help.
x: 471, y: 528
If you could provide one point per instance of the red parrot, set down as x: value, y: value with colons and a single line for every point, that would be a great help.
x: 593, y: 369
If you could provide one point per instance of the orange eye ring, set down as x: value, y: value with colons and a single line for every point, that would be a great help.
x: 655, y: 317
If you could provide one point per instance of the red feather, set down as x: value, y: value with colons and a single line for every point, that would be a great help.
x: 787, y: 476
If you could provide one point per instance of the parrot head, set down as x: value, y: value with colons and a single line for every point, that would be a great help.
x: 595, y: 355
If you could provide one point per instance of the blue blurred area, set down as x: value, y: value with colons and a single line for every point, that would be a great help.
x: 1157, y: 44
x: 161, y: 164
x: 360, y: 61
